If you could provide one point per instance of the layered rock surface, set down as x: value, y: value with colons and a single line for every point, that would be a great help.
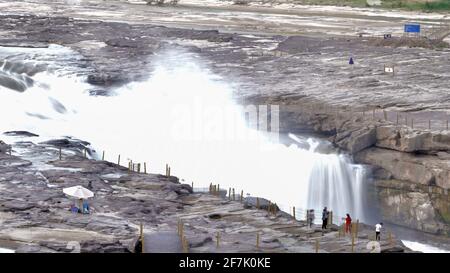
x: 35, y: 216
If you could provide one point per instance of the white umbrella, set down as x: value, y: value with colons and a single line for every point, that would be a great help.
x: 78, y: 192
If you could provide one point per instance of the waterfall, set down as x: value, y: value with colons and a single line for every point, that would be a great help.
x: 337, y: 184
x: 185, y: 116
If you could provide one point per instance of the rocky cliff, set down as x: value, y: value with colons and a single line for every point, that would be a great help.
x: 411, y: 167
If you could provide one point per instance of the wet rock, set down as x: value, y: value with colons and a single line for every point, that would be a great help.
x: 20, y: 133
x: 410, y: 209
x: 402, y: 166
x: 29, y: 249
x: 394, y: 249
x: 67, y: 143
x: 16, y: 205
x: 358, y: 140
x: 4, y: 148
x: 200, y: 241
x: 16, y: 84
x: 122, y: 42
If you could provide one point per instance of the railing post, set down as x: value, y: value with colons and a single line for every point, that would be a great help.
x: 353, y: 243
x: 257, y: 239
x: 357, y: 227
x: 217, y: 239
x: 141, y: 235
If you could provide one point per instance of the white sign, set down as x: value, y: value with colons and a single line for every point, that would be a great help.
x: 389, y: 69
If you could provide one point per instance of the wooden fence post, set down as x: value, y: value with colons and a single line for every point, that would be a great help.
x: 217, y: 239
x: 234, y: 195
x: 293, y: 213
x: 353, y: 243
x: 141, y: 235
x: 257, y: 239
x: 357, y: 227
x: 242, y: 196
x: 103, y: 156
x: 145, y: 167
x: 118, y: 160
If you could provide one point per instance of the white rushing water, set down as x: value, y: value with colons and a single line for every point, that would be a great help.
x: 184, y: 115
x: 425, y: 248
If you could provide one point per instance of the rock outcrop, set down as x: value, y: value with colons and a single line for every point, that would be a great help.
x: 35, y: 216
x: 414, y: 160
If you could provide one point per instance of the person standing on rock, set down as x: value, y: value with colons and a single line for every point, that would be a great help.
x: 378, y: 228
x: 325, y: 214
x: 310, y: 217
x: 348, y: 223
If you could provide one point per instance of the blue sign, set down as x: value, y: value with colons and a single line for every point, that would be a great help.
x: 414, y: 28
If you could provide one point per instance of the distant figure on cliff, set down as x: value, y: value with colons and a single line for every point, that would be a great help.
x: 348, y: 223
x: 325, y: 214
x: 311, y: 217
x: 378, y: 228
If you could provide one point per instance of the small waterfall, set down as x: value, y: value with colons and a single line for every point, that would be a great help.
x: 337, y: 184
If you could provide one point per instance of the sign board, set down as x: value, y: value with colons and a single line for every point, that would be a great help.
x: 412, y: 28
x: 389, y: 69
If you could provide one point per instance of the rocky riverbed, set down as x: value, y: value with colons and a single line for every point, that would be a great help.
x: 381, y: 119
x: 35, y: 214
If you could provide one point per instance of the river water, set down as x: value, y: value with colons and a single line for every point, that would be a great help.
x: 182, y: 115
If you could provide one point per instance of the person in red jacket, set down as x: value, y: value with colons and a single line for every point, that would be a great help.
x: 348, y: 223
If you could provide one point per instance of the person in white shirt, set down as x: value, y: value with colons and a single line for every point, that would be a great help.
x: 378, y: 231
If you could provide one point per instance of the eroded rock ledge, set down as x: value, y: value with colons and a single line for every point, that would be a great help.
x: 411, y: 167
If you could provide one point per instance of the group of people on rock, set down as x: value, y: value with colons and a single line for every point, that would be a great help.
x: 348, y: 222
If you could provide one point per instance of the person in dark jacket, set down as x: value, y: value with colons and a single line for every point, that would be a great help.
x: 325, y: 214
